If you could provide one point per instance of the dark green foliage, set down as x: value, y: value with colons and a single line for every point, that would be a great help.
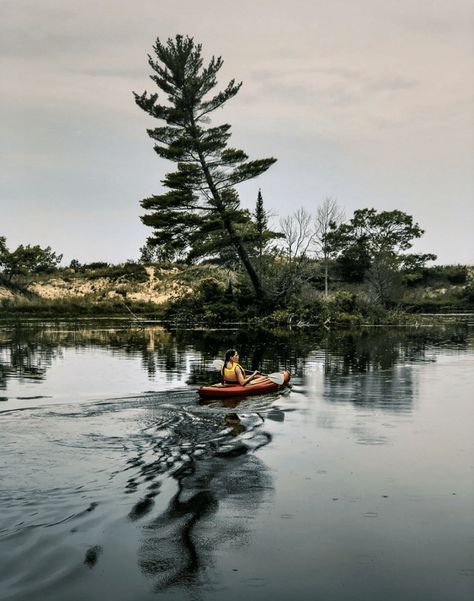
x: 74, y: 264
x: 260, y: 215
x: 412, y: 263
x: 370, y: 234
x: 150, y: 253
x: 387, y: 231
x: 262, y: 235
x: 130, y: 271
x: 261, y: 225
x: 210, y: 290
x: 437, y: 276
x: 467, y: 295
x: 352, y: 264
x: 456, y: 274
x: 200, y: 191
x: 212, y: 239
x: 344, y: 301
x: 208, y: 305
x: 435, y: 305
x: 26, y: 260
x: 95, y: 265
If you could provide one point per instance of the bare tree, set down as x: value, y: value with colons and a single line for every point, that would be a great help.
x: 298, y: 234
x: 328, y: 215
x: 384, y: 280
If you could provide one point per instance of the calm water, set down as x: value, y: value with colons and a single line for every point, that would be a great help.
x: 115, y: 483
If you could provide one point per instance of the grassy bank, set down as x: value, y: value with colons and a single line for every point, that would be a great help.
x: 208, y: 294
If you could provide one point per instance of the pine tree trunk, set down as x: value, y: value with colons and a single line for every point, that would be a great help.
x: 242, y: 252
x: 233, y: 234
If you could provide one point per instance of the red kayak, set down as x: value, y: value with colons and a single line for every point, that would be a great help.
x: 219, y: 391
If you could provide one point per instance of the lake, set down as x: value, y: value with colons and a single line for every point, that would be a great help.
x: 117, y: 483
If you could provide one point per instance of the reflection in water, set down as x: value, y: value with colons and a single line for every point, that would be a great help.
x: 364, y: 367
x: 179, y: 544
x: 212, y: 469
x: 29, y: 349
x: 370, y: 368
x: 165, y: 485
x: 24, y: 358
x: 382, y: 348
x: 392, y: 390
x: 235, y: 424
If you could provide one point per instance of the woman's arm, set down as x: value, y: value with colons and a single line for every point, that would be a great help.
x: 241, y: 376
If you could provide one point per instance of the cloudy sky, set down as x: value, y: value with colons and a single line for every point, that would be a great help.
x: 365, y: 101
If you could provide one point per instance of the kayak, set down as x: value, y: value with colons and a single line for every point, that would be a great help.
x: 219, y: 391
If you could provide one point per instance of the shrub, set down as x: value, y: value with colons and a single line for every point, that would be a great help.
x: 221, y: 313
x: 344, y: 301
x: 344, y: 319
x: 456, y: 274
x: 438, y: 276
x: 210, y: 290
x: 467, y: 294
x: 94, y: 265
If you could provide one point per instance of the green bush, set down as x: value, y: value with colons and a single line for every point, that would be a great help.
x: 130, y: 270
x: 221, y: 313
x: 282, y: 316
x: 343, y: 301
x: 210, y: 290
x: 437, y: 276
x: 300, y: 311
x: 467, y: 294
x: 94, y: 265
x: 344, y: 319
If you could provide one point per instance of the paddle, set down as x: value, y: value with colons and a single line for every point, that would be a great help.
x: 277, y: 378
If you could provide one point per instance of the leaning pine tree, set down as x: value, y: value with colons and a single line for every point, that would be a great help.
x: 202, y: 187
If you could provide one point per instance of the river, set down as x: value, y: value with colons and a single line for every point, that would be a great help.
x: 117, y: 483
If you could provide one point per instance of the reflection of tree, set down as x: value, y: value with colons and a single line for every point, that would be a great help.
x: 27, y: 349
x: 180, y: 543
x: 391, y: 390
x: 216, y: 478
x: 365, y: 350
x: 376, y: 361
x: 24, y: 358
x: 266, y: 350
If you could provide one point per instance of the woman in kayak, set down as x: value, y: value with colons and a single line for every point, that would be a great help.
x: 234, y: 373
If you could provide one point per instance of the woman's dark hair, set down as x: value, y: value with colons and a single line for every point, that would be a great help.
x: 228, y: 356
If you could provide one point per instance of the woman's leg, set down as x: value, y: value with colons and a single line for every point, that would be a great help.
x: 258, y: 380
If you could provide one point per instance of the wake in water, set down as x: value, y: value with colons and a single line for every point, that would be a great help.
x: 139, y: 477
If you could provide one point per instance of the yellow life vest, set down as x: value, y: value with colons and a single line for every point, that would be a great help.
x: 229, y: 373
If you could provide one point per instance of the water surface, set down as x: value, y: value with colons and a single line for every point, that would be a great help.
x: 115, y: 482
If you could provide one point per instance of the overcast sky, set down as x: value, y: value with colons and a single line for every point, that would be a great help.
x: 365, y: 101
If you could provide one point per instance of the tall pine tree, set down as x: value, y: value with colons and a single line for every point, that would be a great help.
x: 261, y: 222
x: 202, y: 187
x: 262, y: 235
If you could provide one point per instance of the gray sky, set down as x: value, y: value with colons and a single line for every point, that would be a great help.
x: 369, y: 102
